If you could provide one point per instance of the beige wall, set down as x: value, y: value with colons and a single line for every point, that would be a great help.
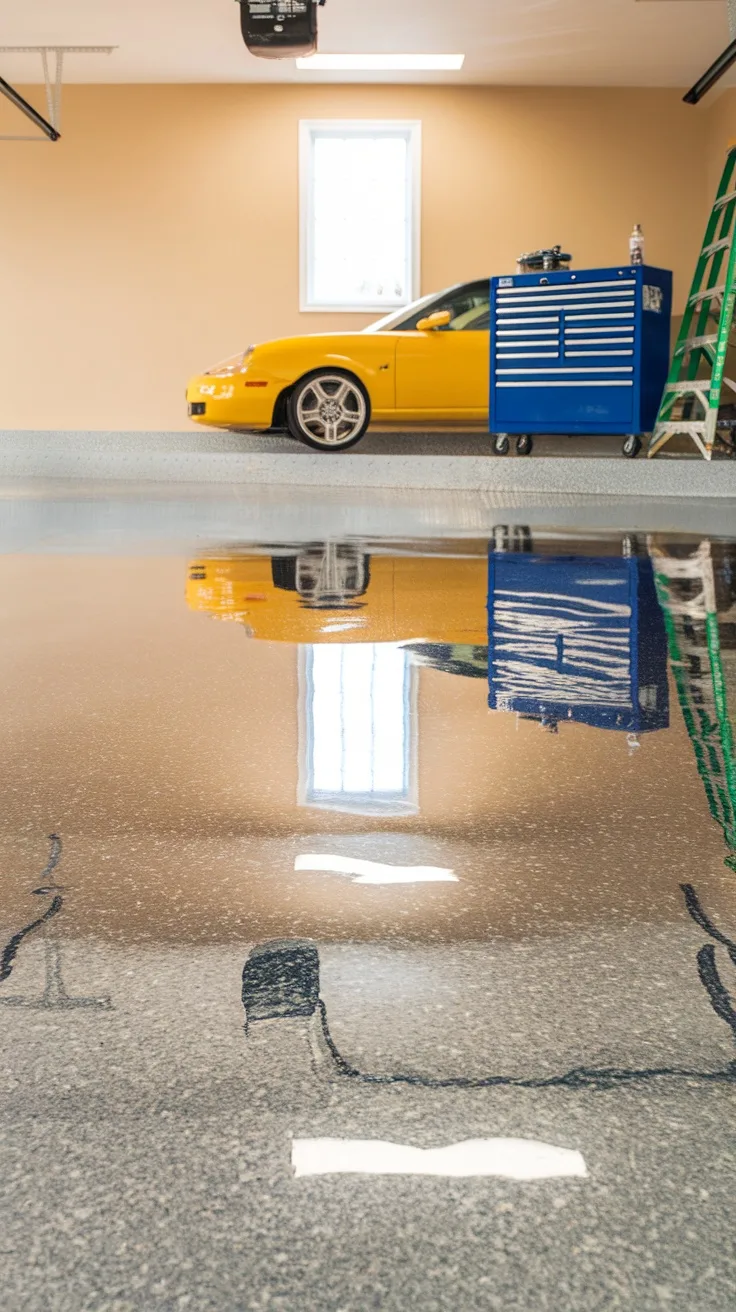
x: 160, y: 234
x: 721, y: 133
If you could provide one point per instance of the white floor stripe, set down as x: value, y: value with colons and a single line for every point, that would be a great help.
x: 512, y: 1159
x: 374, y: 872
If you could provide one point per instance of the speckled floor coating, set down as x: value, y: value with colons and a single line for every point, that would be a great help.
x: 446, y: 461
x: 575, y: 984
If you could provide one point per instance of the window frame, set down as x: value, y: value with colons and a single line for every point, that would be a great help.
x: 411, y: 129
x: 394, y: 804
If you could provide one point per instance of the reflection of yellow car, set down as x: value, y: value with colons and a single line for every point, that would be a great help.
x: 334, y: 592
x: 428, y: 362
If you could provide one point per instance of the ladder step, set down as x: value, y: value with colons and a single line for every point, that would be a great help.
x: 708, y: 293
x: 721, y: 245
x: 679, y: 569
x: 694, y: 343
x: 724, y: 200
x: 693, y: 385
x: 683, y: 426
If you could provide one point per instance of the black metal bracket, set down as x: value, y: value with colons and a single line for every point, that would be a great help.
x: 714, y: 74
x: 17, y: 99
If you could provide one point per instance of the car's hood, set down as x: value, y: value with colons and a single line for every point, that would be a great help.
x: 340, y: 339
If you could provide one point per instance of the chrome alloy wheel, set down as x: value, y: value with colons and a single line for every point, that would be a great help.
x: 331, y: 410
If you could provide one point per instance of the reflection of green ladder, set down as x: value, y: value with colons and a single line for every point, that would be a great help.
x: 699, y: 351
x: 452, y: 658
x: 687, y: 595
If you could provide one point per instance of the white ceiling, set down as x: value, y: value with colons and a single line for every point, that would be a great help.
x: 507, y: 42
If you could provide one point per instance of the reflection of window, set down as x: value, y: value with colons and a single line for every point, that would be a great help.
x: 359, y: 199
x: 357, y: 739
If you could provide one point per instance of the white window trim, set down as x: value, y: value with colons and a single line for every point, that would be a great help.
x: 386, y: 805
x: 412, y: 128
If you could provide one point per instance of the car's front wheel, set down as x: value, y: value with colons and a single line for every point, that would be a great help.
x: 328, y: 410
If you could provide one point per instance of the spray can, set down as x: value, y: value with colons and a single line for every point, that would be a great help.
x: 636, y: 245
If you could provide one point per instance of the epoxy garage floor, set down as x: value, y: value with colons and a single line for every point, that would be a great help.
x: 461, y: 461
x: 368, y: 923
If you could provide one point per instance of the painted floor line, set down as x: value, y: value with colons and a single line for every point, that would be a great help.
x: 510, y: 1159
x: 374, y: 872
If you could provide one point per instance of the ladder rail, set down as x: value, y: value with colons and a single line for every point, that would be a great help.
x: 706, y: 717
x: 724, y: 333
x: 712, y: 297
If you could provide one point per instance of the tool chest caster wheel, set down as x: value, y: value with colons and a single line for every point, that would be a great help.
x: 524, y: 445
x: 501, y: 444
x: 631, y: 446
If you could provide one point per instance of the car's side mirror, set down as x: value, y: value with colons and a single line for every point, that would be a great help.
x: 440, y: 319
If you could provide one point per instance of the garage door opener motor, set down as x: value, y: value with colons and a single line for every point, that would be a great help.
x: 279, y: 29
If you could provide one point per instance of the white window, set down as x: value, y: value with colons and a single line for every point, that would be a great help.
x: 357, y: 731
x: 360, y: 214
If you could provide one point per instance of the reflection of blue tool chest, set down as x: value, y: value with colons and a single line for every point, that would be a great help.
x: 584, y: 351
x: 577, y: 638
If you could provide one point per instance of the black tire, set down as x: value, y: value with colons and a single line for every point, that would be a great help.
x: 328, y: 410
x: 631, y: 446
x: 284, y: 571
x: 501, y: 444
x: 524, y: 444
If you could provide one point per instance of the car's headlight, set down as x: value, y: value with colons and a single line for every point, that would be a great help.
x: 234, y: 365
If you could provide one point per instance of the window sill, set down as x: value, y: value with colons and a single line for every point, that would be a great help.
x: 388, y: 808
x: 384, y: 308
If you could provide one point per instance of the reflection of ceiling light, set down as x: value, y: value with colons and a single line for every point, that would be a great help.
x: 374, y: 872
x: 512, y: 1159
x: 381, y: 63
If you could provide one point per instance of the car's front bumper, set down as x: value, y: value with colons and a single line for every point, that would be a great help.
x: 235, y: 402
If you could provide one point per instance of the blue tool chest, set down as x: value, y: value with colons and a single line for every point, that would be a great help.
x: 574, y: 638
x: 579, y: 351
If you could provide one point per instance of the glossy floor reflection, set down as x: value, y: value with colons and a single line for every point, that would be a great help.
x: 369, y: 925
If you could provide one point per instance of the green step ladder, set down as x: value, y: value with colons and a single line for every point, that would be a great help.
x: 687, y: 594
x: 692, y: 393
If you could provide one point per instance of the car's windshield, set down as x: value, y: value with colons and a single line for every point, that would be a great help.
x: 476, y: 316
x: 468, y: 303
x: 397, y: 317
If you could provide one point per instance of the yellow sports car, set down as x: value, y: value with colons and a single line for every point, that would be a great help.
x: 428, y: 362
x: 337, y: 592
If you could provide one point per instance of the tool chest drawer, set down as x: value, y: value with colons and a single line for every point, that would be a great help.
x: 584, y: 351
x: 577, y: 638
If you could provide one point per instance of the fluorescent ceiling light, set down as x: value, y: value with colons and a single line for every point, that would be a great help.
x: 512, y: 1159
x: 381, y: 63
x: 374, y: 872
